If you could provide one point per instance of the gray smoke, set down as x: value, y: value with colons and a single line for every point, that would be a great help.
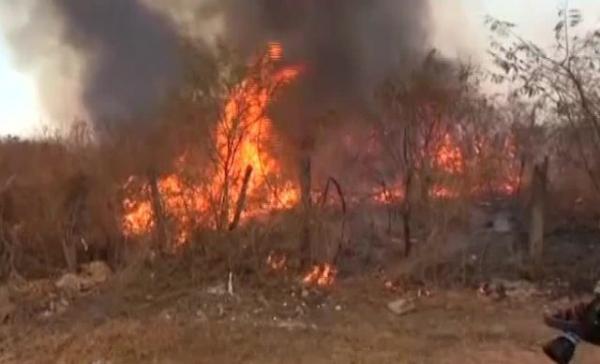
x: 123, y: 54
x: 120, y: 57
x: 348, y: 46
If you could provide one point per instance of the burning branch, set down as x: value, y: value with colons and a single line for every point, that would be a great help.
x: 241, y: 199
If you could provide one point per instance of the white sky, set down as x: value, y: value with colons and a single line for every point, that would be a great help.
x: 459, y: 31
x: 19, y: 109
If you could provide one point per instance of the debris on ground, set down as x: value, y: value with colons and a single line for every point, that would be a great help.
x: 73, y: 283
x: 91, y: 276
x: 97, y: 271
x: 217, y: 290
x: 516, y: 290
x: 402, y: 306
x: 293, y: 325
x: 7, y: 308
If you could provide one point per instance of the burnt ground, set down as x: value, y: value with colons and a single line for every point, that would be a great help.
x: 277, y: 321
x: 176, y: 314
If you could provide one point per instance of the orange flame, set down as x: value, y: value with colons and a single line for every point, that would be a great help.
x: 448, y: 157
x: 322, y: 275
x: 275, y: 51
x: 389, y: 195
x: 241, y: 137
x: 277, y: 262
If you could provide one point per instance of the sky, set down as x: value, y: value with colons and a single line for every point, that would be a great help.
x: 458, y: 32
x: 19, y: 110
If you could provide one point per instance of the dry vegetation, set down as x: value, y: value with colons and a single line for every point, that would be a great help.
x: 212, y: 187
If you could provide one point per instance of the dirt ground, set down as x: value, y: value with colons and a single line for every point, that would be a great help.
x: 278, y: 321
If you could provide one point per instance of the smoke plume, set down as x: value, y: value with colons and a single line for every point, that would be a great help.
x: 348, y: 46
x: 115, y: 58
x: 118, y: 58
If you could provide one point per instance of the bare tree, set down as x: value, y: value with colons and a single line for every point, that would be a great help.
x: 563, y: 83
x: 416, y: 116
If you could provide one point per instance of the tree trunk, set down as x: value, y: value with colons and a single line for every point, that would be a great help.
x: 536, y: 228
x: 159, y: 216
x: 241, y: 202
x: 306, y: 205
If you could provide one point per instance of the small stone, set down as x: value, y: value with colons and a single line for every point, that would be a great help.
x: 167, y: 315
x: 218, y: 290
x: 338, y: 308
x: 201, y: 316
x: 402, y: 306
x: 69, y: 282
x: 97, y: 271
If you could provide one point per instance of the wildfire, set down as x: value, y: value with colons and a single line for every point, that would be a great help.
x: 243, y: 165
x: 277, y: 262
x: 275, y: 51
x: 246, y: 180
x: 392, y: 194
x: 443, y: 192
x: 448, y: 157
x: 322, y: 275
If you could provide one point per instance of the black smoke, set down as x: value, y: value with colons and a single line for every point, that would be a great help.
x: 126, y: 54
x: 348, y: 47
x: 127, y: 57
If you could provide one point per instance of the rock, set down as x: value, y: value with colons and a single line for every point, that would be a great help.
x: 502, y: 223
x: 92, y: 275
x: 97, y: 271
x: 402, y: 306
x: 516, y: 290
x: 493, y: 291
x: 71, y: 282
x: 201, y: 316
x: 218, y: 290
x: 167, y: 315
x: 7, y: 308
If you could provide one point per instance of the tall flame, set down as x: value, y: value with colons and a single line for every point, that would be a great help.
x: 240, y: 144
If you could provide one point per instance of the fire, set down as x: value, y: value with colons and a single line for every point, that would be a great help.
x: 275, y: 51
x: 452, y: 165
x: 245, y: 113
x: 322, y: 275
x: 139, y: 217
x: 277, y: 262
x: 243, y: 164
x: 392, y: 194
x: 179, y: 201
x: 448, y: 157
x: 442, y: 192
